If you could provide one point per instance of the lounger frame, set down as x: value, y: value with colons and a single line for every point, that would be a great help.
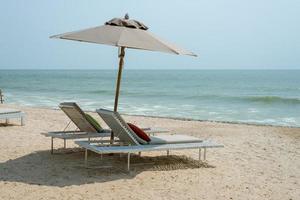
x: 102, y: 148
x: 13, y: 115
x: 130, y: 142
x: 73, y: 135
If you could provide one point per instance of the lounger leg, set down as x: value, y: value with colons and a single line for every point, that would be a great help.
x: 22, y: 121
x: 7, y: 121
x: 112, y: 138
x: 199, y: 154
x: 51, y: 145
x: 85, y: 157
x: 204, y: 156
x: 65, y: 143
x: 128, y: 162
x: 140, y: 154
x: 168, y: 152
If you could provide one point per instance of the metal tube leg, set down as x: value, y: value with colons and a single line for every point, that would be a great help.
x: 128, y: 162
x: 22, y: 121
x: 7, y: 121
x: 199, y: 154
x: 65, y: 143
x: 168, y: 152
x: 85, y: 157
x: 51, y: 145
x: 199, y: 157
x: 204, y: 156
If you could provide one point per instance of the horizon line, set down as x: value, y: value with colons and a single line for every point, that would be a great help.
x: 81, y: 69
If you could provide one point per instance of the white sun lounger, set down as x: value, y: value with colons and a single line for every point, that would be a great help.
x: 129, y: 143
x: 77, y: 116
x: 6, y: 113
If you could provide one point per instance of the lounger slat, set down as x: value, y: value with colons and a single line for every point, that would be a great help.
x: 143, y: 148
x: 75, y: 135
x: 154, y: 130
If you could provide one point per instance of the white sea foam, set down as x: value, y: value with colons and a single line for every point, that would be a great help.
x: 252, y: 110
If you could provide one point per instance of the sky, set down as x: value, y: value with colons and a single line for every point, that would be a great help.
x: 231, y: 34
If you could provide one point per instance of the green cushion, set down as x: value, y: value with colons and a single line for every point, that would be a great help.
x: 93, y: 122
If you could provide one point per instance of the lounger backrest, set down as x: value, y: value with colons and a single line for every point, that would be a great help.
x: 118, y: 126
x: 131, y: 132
x: 73, y: 111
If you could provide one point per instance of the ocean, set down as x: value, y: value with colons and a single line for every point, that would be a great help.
x: 270, y: 97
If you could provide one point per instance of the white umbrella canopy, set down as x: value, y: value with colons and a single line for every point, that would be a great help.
x: 123, y: 33
x: 118, y: 33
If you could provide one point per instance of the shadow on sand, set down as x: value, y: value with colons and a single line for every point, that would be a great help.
x: 7, y: 124
x: 42, y: 168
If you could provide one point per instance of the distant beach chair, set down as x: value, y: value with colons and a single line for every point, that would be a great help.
x: 87, y: 127
x: 7, y: 113
x: 128, y: 142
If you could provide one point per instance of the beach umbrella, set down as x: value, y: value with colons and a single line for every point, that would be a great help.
x: 123, y: 33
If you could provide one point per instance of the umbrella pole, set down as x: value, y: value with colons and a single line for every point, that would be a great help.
x: 121, y: 63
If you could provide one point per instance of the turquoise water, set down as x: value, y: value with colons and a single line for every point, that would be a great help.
x: 250, y: 96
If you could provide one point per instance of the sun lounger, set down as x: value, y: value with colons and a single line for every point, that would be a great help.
x: 79, y: 118
x: 130, y: 143
x: 85, y: 128
x: 6, y: 113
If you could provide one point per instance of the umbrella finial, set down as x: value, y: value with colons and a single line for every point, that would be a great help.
x: 126, y: 16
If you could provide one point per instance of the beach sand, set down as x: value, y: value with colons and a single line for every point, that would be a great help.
x: 257, y: 162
